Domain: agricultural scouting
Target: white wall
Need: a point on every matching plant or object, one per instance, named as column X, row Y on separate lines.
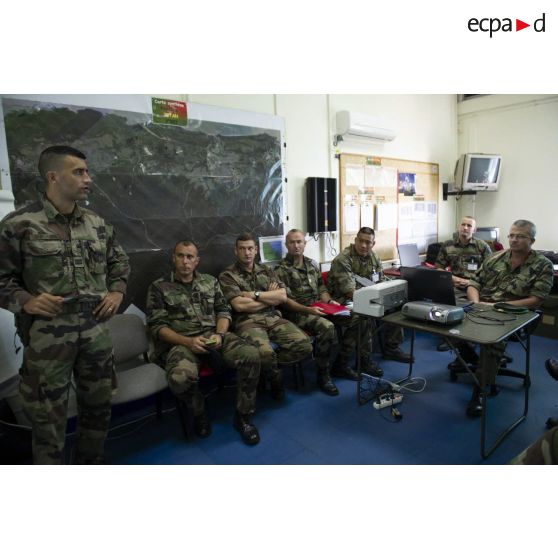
column 524, row 130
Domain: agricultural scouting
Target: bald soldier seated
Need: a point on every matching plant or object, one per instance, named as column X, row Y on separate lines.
column 189, row 319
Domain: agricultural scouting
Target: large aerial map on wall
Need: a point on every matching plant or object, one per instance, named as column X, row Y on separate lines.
column 155, row 183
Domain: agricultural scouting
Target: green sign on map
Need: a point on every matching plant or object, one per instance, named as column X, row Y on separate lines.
column 166, row 111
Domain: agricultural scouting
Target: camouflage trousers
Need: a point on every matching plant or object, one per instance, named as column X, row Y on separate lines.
column 543, row 451
column 489, row 359
column 57, row 347
column 292, row 344
column 325, row 333
column 182, row 366
column 392, row 336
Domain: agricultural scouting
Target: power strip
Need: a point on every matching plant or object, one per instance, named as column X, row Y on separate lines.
column 387, row 400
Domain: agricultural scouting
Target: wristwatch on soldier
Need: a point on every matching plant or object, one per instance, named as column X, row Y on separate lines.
column 256, row 295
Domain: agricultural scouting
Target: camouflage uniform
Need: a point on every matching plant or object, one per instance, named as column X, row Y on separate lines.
column 42, row 251
column 265, row 326
column 193, row 309
column 341, row 280
column 305, row 285
column 496, row 281
column 543, row 451
column 463, row 261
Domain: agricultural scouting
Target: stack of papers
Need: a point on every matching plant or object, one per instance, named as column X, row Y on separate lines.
column 331, row 309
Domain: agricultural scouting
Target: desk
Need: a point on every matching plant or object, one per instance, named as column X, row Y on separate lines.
column 482, row 334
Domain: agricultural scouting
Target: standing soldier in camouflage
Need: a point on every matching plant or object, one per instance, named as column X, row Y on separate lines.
column 463, row 255
column 304, row 285
column 189, row 319
column 253, row 291
column 519, row 276
column 62, row 274
column 356, row 265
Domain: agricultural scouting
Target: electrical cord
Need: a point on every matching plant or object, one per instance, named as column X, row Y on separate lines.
column 489, row 320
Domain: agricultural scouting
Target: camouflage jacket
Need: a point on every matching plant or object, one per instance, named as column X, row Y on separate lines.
column 234, row 280
column 463, row 261
column 497, row 282
column 42, row 251
column 341, row 276
column 187, row 308
column 304, row 284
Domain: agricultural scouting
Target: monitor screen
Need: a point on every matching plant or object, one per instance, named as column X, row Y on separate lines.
column 272, row 248
column 408, row 255
column 488, row 234
column 429, row 285
column 478, row 172
column 483, row 170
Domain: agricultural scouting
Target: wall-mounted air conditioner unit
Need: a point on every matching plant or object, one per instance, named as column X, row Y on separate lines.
column 350, row 123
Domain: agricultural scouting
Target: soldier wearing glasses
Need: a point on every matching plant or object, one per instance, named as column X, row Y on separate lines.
column 519, row 276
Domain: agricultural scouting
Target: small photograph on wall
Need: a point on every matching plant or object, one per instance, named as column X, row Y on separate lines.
column 407, row 183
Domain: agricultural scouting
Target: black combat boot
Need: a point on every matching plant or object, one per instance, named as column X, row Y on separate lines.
column 341, row 369
column 248, row 432
column 324, row 382
column 202, row 426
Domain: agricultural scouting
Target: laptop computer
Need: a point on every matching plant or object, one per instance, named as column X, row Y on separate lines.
column 408, row 255
column 431, row 285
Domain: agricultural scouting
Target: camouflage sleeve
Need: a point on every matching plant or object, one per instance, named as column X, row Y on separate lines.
column 222, row 307
column 486, row 251
column 156, row 312
column 341, row 276
column 13, row 294
column 321, row 285
column 544, row 279
column 442, row 258
column 274, row 277
column 118, row 265
column 283, row 276
column 543, row 451
column 229, row 286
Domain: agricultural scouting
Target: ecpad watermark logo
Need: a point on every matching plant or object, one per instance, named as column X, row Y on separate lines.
column 495, row 25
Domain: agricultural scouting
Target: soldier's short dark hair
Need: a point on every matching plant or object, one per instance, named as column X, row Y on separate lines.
column 366, row 230
column 292, row 231
column 49, row 159
column 244, row 237
column 185, row 243
column 524, row 224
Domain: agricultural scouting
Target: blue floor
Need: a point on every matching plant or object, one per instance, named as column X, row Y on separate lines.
column 309, row 427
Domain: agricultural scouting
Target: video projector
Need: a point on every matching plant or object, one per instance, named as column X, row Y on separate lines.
column 377, row 299
column 432, row 312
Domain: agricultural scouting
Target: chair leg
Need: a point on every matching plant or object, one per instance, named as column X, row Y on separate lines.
column 298, row 375
column 185, row 419
column 159, row 405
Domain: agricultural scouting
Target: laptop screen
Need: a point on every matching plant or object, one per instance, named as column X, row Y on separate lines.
column 408, row 255
column 430, row 285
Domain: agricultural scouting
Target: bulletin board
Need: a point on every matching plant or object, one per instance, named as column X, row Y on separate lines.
column 395, row 197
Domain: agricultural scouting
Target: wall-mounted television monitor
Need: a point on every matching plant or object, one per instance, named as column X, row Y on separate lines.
column 478, row 172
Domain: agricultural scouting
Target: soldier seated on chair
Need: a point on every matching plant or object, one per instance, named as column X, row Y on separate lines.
column 463, row 255
column 254, row 291
column 305, row 286
column 519, row 276
column 359, row 261
column 189, row 319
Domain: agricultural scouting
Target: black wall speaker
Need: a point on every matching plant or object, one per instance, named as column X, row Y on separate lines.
column 321, row 204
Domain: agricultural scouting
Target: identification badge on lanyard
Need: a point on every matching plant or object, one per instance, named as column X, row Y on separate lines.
column 375, row 277
column 472, row 267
